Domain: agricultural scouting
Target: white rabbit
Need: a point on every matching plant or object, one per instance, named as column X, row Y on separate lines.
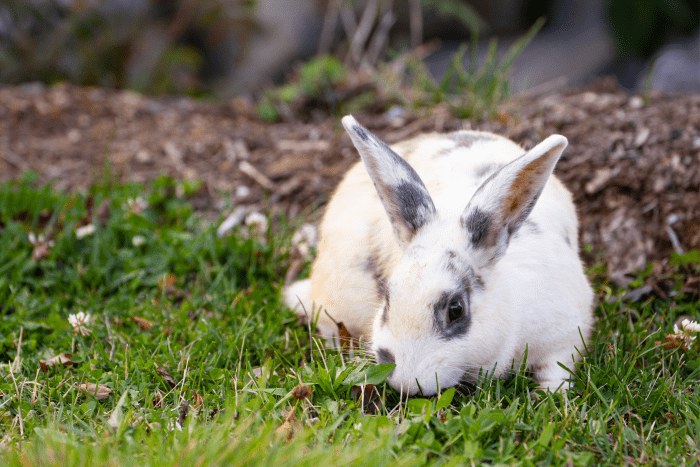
column 456, row 263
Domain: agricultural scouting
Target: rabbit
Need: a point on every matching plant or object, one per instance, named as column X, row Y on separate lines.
column 452, row 254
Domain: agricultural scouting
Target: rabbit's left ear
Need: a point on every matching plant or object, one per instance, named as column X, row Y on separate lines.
column 401, row 191
column 502, row 203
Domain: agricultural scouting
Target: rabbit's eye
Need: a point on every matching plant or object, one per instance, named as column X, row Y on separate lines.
column 455, row 310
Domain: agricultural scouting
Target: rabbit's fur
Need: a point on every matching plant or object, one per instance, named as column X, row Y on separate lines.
column 456, row 263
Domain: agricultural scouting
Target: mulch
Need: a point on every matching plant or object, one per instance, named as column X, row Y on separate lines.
column 633, row 162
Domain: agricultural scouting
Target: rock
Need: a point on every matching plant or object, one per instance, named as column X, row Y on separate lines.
column 675, row 68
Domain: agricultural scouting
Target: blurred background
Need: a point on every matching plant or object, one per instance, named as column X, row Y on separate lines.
column 223, row 48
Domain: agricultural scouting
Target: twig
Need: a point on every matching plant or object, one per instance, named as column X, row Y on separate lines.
column 259, row 177
column 363, row 31
column 347, row 15
column 381, row 37
column 674, row 240
column 330, row 21
column 416, row 22
column 308, row 323
column 13, row 367
column 13, row 159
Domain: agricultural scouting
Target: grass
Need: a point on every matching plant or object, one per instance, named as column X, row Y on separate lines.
column 199, row 363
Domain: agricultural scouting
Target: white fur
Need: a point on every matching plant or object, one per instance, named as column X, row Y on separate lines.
column 522, row 276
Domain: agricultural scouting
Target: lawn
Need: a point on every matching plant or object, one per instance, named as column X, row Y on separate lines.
column 189, row 357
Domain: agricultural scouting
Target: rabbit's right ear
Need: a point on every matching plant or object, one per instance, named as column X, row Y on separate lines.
column 401, row 191
column 502, row 203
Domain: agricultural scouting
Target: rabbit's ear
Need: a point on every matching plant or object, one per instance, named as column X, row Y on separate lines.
column 502, row 203
column 402, row 192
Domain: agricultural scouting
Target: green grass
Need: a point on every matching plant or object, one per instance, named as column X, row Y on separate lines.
column 212, row 382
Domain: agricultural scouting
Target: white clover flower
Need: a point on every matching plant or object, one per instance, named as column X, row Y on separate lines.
column 684, row 335
column 138, row 240
column 42, row 247
column 79, row 322
column 136, row 205
column 39, row 240
column 690, row 326
column 84, row 231
column 257, row 223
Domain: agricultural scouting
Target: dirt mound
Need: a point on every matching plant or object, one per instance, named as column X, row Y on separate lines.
column 632, row 163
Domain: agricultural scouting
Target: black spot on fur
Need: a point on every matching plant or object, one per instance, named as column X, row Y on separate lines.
column 532, row 228
column 467, row 139
column 414, row 204
column 478, row 223
column 384, row 356
column 463, row 272
column 487, row 169
column 443, row 153
column 373, row 267
column 449, row 330
column 385, row 311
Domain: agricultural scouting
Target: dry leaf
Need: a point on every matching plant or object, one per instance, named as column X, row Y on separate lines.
column 287, row 428
column 502, row 117
column 197, row 399
column 158, row 399
column 671, row 341
column 183, row 412
column 100, row 391
column 60, row 359
column 102, row 212
column 302, row 392
column 344, row 335
column 167, row 283
column 143, row 323
column 166, row 376
column 368, row 396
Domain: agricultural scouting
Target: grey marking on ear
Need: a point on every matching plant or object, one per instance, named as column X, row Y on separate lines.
column 361, row 133
column 513, row 227
column 368, row 138
column 398, row 160
column 567, row 240
column 385, row 356
column 477, row 223
column 415, row 204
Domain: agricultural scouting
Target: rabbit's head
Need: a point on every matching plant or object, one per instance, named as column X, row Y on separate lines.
column 442, row 321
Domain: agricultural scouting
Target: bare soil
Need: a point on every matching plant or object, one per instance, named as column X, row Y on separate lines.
column 633, row 162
